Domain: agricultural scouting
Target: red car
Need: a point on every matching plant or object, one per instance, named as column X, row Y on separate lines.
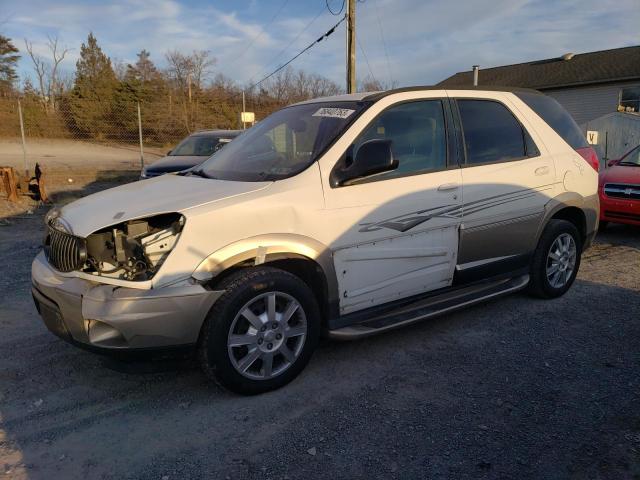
column 619, row 190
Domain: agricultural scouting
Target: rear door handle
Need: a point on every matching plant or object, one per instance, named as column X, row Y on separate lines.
column 448, row 186
column 542, row 171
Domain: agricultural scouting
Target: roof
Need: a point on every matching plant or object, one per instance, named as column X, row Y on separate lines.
column 349, row 97
column 619, row 64
column 375, row 96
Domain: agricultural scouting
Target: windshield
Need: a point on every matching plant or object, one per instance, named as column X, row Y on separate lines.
column 632, row 158
column 198, row 146
column 283, row 144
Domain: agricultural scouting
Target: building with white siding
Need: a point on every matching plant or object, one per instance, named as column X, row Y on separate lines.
column 588, row 85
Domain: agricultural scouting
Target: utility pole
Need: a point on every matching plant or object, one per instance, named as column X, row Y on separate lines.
column 24, row 143
column 244, row 125
column 140, row 139
column 351, row 46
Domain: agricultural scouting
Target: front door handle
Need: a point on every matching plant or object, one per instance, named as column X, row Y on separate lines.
column 542, row 171
column 448, row 186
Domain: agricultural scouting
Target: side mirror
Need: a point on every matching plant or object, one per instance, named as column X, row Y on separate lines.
column 373, row 157
column 611, row 163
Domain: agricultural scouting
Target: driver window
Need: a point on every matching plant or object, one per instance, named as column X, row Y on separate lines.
column 417, row 133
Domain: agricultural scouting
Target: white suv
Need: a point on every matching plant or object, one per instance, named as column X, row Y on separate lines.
column 348, row 216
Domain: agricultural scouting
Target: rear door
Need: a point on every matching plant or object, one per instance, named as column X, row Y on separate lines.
column 507, row 181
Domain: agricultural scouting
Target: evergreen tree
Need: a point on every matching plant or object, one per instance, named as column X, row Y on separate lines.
column 94, row 89
column 144, row 70
column 143, row 84
column 8, row 60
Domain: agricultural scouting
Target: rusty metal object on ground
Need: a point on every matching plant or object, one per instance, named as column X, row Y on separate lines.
column 9, row 182
column 42, row 193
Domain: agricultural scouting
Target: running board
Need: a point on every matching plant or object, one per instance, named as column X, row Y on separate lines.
column 429, row 307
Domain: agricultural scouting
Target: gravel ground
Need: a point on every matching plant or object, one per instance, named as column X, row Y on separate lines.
column 516, row 388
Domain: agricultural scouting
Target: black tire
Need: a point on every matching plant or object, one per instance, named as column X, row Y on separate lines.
column 240, row 288
column 539, row 284
column 603, row 225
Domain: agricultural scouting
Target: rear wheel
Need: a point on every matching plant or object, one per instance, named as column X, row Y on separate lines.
column 556, row 260
column 261, row 332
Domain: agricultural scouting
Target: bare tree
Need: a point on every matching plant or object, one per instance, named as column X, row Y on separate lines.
column 289, row 85
column 189, row 70
column 119, row 68
column 281, row 85
column 371, row 84
column 47, row 70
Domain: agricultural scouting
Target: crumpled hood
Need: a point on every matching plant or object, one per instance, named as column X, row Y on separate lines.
column 168, row 193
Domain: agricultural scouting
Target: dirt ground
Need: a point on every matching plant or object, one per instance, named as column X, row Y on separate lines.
column 517, row 388
column 71, row 154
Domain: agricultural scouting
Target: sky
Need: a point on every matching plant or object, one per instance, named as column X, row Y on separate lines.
column 400, row 42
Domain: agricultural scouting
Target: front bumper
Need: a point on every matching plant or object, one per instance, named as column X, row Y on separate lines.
column 116, row 318
column 619, row 210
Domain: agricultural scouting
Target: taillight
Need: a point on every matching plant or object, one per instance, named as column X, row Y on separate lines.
column 590, row 155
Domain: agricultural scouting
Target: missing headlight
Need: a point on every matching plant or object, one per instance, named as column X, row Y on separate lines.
column 133, row 250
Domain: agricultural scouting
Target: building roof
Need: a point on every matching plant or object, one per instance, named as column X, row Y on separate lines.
column 619, row 64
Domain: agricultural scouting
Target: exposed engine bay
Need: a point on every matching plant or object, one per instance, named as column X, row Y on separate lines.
column 133, row 250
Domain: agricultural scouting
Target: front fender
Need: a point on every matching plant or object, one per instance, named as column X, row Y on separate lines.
column 265, row 248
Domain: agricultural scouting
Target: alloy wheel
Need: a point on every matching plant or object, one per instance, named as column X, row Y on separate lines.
column 267, row 335
column 561, row 260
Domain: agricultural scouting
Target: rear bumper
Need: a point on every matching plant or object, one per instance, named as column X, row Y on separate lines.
column 619, row 210
column 116, row 318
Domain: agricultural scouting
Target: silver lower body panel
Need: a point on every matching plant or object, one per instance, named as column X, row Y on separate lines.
column 112, row 317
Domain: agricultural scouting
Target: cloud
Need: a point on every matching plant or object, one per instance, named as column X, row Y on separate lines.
column 426, row 41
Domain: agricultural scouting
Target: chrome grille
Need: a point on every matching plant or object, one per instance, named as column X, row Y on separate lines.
column 64, row 251
column 622, row 190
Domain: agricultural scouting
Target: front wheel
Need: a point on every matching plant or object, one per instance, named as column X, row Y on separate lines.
column 556, row 260
column 261, row 332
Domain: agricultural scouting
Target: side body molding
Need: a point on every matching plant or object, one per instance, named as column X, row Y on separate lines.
column 266, row 248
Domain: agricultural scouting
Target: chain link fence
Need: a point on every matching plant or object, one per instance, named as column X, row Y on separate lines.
column 74, row 135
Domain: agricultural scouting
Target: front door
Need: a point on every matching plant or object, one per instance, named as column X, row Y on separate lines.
column 398, row 231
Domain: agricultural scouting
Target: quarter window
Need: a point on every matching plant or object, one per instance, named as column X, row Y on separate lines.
column 418, row 135
column 492, row 133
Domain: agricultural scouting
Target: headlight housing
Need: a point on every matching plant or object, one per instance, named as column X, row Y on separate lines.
column 51, row 215
column 135, row 249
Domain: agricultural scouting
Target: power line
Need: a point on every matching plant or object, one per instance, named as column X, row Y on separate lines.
column 331, row 11
column 278, row 55
column 308, row 47
column 384, row 45
column 366, row 59
column 260, row 33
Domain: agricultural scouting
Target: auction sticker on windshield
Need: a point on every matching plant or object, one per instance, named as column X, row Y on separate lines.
column 333, row 112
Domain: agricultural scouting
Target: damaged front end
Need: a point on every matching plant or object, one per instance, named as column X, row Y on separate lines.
column 132, row 250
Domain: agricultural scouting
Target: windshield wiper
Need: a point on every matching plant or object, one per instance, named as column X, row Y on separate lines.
column 634, row 164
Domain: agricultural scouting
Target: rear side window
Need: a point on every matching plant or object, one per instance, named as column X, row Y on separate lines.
column 556, row 117
column 492, row 133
